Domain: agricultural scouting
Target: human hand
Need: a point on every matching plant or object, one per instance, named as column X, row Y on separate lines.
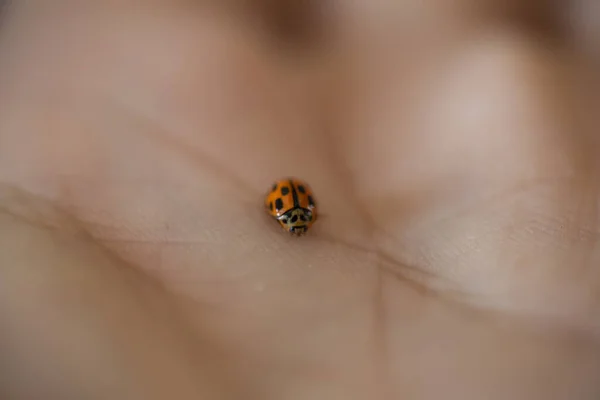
column 453, row 159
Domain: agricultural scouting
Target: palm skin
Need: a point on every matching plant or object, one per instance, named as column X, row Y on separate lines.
column 457, row 253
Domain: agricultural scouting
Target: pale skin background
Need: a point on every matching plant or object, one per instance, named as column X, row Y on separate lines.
column 452, row 147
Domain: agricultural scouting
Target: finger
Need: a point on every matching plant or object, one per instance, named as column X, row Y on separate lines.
column 78, row 323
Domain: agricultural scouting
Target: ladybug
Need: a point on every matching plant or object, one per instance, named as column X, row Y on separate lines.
column 292, row 203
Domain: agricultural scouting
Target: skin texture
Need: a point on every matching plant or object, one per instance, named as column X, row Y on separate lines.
column 452, row 149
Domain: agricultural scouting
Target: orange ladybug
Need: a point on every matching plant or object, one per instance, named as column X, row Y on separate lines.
column 292, row 203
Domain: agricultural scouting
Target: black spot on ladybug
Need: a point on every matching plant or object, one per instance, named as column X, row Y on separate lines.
column 274, row 188
column 311, row 202
column 294, row 218
column 284, row 220
column 271, row 206
column 303, row 218
column 278, row 204
column 285, row 190
column 301, row 189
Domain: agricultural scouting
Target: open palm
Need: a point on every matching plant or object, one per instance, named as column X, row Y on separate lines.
column 457, row 253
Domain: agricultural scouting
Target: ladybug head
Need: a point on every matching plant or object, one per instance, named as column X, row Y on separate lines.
column 297, row 221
